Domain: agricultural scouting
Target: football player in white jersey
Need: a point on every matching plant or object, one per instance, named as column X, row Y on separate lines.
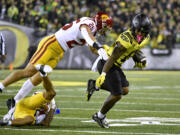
column 51, row 49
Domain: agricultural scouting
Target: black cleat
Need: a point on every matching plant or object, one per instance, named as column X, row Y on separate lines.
column 0, row 90
column 101, row 121
column 10, row 103
column 3, row 123
column 91, row 88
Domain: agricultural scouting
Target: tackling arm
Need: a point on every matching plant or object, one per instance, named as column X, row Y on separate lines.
column 91, row 40
column 86, row 33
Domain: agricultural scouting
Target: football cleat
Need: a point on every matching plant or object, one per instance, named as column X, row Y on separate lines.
column 10, row 103
column 3, row 123
column 91, row 88
column 102, row 122
column 0, row 90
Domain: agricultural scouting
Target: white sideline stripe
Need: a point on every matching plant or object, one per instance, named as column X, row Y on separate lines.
column 85, row 131
column 119, row 110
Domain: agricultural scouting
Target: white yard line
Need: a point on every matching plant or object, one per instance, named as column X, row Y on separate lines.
column 118, row 110
column 85, row 131
column 119, row 103
column 151, row 98
column 126, row 103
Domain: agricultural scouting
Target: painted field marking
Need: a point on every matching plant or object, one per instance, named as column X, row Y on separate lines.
column 139, row 121
column 115, row 110
column 81, row 131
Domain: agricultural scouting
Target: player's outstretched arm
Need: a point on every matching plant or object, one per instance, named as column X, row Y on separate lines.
column 44, row 70
column 92, row 42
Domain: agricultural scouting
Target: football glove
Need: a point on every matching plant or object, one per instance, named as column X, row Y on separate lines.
column 53, row 104
column 102, row 53
column 43, row 69
column 141, row 64
column 100, row 79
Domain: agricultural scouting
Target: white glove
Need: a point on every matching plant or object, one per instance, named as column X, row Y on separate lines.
column 53, row 104
column 43, row 69
column 102, row 53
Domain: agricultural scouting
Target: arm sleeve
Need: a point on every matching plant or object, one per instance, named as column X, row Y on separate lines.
column 86, row 36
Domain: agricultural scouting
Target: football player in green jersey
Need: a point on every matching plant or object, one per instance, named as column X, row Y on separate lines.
column 112, row 78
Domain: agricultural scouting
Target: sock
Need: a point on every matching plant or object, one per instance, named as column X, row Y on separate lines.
column 24, row 91
column 9, row 122
column 9, row 115
column 100, row 115
column 11, row 111
column 1, row 86
column 96, row 87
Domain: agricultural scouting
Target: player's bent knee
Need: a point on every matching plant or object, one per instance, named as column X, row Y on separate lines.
column 29, row 70
column 125, row 90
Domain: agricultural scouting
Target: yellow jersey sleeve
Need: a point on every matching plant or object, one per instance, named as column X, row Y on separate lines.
column 145, row 41
column 124, row 40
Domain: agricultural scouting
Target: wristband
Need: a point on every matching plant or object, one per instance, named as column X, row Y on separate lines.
column 103, row 73
column 96, row 45
column 43, row 75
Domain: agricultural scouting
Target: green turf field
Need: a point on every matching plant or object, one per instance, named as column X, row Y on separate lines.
column 151, row 108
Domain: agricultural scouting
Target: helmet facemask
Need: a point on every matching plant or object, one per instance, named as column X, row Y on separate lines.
column 141, row 26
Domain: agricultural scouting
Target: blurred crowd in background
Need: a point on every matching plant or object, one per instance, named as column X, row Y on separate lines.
column 47, row 16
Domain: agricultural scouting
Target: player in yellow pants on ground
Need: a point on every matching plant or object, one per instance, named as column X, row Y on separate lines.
column 26, row 108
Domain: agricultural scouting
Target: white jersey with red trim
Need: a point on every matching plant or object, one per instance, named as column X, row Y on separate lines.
column 70, row 35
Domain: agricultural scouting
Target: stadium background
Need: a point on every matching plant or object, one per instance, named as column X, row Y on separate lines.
column 24, row 23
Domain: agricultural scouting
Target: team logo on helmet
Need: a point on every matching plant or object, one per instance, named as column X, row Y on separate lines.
column 104, row 17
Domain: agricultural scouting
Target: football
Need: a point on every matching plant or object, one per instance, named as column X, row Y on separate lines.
column 139, row 57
